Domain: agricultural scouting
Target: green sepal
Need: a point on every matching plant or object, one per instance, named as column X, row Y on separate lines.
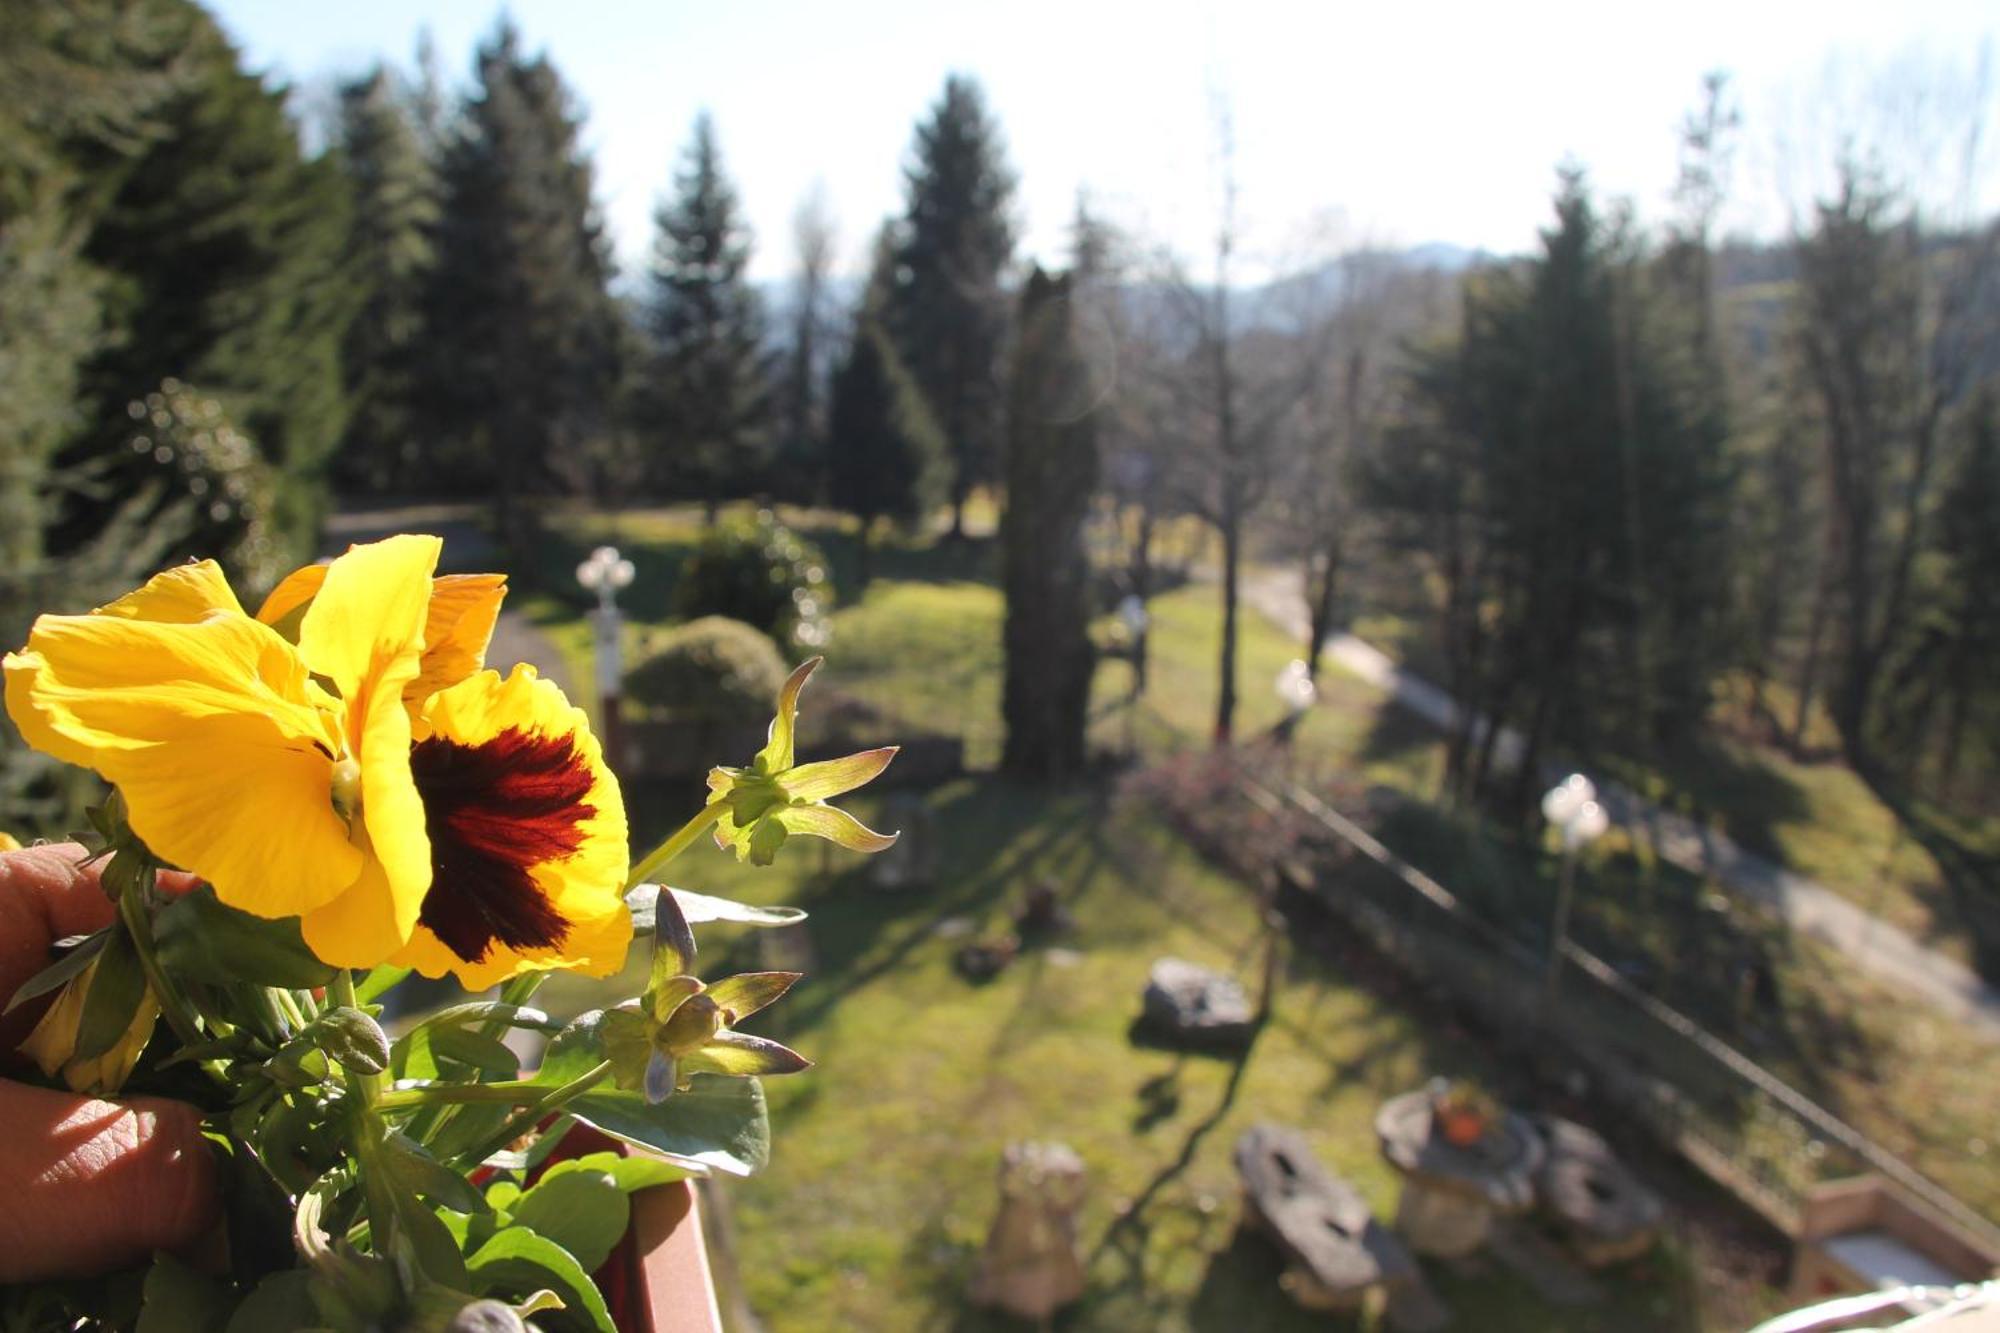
column 351, row 1037
column 61, row 970
column 116, row 988
column 745, row 993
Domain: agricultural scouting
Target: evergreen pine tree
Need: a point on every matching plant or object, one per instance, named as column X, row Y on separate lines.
column 226, row 245
column 525, row 333
column 948, row 314
column 396, row 207
column 706, row 404
column 884, row 452
column 1051, row 474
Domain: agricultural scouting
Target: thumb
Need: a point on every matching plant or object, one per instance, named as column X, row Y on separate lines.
column 92, row 1185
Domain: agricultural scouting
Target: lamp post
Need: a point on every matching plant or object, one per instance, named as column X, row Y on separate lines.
column 605, row 573
column 1136, row 619
column 1571, row 807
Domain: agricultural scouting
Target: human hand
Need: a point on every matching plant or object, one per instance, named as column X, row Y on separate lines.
column 86, row 1185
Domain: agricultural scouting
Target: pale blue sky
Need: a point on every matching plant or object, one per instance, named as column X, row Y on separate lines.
column 1387, row 123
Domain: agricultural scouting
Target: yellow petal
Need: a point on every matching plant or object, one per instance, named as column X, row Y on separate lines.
column 88, row 684
column 178, row 596
column 367, row 622
column 209, row 731
column 253, row 817
column 293, row 592
column 484, row 736
column 9, row 843
column 391, row 810
column 360, row 928
column 463, row 611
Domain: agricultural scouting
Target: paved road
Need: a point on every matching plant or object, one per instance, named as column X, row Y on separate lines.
column 1875, row 946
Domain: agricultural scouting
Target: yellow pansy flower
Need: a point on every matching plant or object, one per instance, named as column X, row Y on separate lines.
column 364, row 780
column 527, row 833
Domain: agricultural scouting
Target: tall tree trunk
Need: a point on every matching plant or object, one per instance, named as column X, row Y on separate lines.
column 1232, row 554
column 1322, row 582
column 1809, row 669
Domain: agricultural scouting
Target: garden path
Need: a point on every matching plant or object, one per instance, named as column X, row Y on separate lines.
column 1875, row 946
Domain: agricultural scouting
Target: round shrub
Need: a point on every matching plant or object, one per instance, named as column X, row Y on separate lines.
column 758, row 571
column 712, row 670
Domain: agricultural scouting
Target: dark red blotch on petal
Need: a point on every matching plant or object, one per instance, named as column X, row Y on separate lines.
column 494, row 811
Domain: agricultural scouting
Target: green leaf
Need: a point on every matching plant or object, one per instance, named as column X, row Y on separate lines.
column 631, row 1172
column 583, row 1211
column 423, row 1174
column 198, row 935
column 745, row 993
column 518, row 1262
column 410, row 1056
column 116, row 988
column 377, row 981
column 180, row 1300
column 716, row 1124
column 739, row 1054
column 835, row 825
column 427, row 1240
column 484, row 1011
column 468, row 1126
column 351, row 1037
column 477, row 1049
column 700, row 907
column 61, row 970
column 282, row 1300
column 832, row 777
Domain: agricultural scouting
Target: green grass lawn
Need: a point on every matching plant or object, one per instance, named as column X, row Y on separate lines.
column 875, row 1207
column 883, row 1180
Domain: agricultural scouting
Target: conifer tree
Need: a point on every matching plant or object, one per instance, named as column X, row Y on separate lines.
column 1050, row 470
column 801, row 454
column 227, row 245
column 395, row 197
column 948, row 314
column 705, row 408
column 526, row 332
column 884, row 451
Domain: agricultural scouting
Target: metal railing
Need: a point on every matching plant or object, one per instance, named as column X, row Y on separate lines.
column 1753, row 1133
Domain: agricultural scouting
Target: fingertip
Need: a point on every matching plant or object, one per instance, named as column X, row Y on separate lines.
column 99, row 1185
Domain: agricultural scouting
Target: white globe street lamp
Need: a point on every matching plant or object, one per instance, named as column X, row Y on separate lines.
column 606, row 573
column 1571, row 807
column 1136, row 619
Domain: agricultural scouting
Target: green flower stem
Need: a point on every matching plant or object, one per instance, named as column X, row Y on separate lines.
column 675, row 845
column 524, row 1120
column 514, row 1092
column 369, row 1129
column 173, row 1004
column 368, row 1087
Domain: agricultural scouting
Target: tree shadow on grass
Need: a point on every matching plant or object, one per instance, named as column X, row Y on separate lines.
column 987, row 834
column 1970, row 875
